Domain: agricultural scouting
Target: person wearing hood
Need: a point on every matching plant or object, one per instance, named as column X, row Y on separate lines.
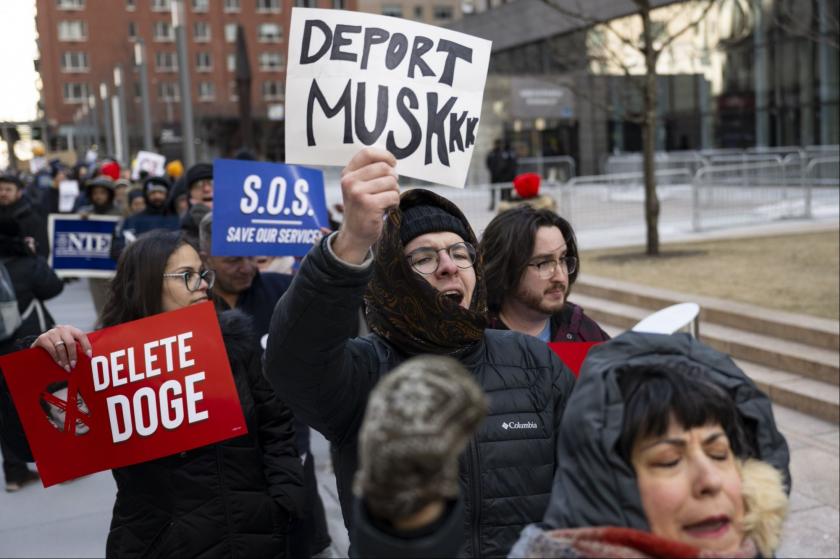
column 100, row 192
column 199, row 190
column 669, row 450
column 13, row 205
column 156, row 215
column 676, row 452
column 424, row 293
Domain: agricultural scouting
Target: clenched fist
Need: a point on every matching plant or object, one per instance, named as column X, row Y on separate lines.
column 369, row 188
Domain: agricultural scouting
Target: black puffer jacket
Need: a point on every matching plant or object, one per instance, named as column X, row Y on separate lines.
column 232, row 499
column 597, row 487
column 32, row 224
column 508, row 467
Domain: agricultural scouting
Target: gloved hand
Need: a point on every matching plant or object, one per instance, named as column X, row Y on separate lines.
column 418, row 420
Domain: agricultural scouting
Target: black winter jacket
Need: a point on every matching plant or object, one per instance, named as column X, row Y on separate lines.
column 231, row 499
column 32, row 279
column 597, row 487
column 507, row 469
column 32, row 224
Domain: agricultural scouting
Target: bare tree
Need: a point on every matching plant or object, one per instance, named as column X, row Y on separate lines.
column 654, row 40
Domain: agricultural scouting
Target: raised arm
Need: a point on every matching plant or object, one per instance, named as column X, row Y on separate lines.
column 311, row 360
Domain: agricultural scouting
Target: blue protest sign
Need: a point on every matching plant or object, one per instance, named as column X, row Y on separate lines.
column 82, row 247
column 266, row 209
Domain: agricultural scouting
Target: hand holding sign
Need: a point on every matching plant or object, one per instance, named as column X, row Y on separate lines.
column 369, row 188
column 60, row 343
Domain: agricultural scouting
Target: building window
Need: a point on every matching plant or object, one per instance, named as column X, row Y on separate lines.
column 306, row 3
column 272, row 90
column 233, row 94
column 75, row 92
column 269, row 33
column 161, row 5
column 168, row 91
column 231, row 63
column 201, row 32
column 70, row 4
column 162, row 32
column 442, row 13
column 338, row 4
column 268, row 6
column 271, row 61
column 74, row 30
column 132, row 30
column 74, row 62
column 418, row 11
column 394, row 10
column 200, row 5
column 130, row 5
column 230, row 32
column 203, row 61
column 206, row 91
column 166, row 61
column 232, row 6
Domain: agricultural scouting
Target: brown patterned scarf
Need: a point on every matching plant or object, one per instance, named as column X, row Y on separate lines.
column 405, row 309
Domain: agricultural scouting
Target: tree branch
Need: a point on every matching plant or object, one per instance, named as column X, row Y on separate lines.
column 690, row 25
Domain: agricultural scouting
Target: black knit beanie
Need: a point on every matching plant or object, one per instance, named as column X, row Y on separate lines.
column 419, row 220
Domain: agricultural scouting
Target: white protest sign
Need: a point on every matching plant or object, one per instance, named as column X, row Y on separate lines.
column 68, row 191
column 152, row 163
column 355, row 79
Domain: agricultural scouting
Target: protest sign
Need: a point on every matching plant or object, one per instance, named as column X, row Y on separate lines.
column 356, row 79
column 266, row 209
column 572, row 353
column 81, row 247
column 68, row 191
column 154, row 387
column 152, row 163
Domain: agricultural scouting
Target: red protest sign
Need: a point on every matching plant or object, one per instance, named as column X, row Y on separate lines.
column 572, row 353
column 153, row 387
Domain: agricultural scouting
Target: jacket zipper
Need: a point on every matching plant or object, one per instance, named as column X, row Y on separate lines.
column 475, row 480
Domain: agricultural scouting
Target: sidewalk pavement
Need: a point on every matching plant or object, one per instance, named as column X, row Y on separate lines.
column 72, row 519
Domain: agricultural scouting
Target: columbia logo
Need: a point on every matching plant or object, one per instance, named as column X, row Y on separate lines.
column 518, row 425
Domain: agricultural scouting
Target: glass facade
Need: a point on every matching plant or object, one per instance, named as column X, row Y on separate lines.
column 745, row 73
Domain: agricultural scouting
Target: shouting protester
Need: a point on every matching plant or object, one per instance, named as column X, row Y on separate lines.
column 424, row 291
column 531, row 263
column 234, row 498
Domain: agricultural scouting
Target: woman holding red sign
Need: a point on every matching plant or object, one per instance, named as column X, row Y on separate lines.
column 234, row 498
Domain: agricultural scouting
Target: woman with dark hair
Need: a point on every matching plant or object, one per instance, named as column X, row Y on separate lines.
column 234, row 498
column 531, row 262
column 675, row 454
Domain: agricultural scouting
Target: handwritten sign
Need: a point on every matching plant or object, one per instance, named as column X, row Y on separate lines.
column 266, row 209
column 154, row 387
column 356, row 79
column 81, row 247
column 150, row 162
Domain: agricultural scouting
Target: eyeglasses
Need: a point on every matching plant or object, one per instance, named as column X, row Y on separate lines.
column 192, row 280
column 547, row 268
column 426, row 260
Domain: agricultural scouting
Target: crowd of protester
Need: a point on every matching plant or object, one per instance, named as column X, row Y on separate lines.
column 419, row 351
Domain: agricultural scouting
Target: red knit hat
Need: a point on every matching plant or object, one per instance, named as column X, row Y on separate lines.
column 527, row 185
column 111, row 169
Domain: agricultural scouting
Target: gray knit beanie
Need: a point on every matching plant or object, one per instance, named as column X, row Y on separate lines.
column 418, row 420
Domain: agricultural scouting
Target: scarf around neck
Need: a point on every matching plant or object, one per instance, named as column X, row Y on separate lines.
column 405, row 309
